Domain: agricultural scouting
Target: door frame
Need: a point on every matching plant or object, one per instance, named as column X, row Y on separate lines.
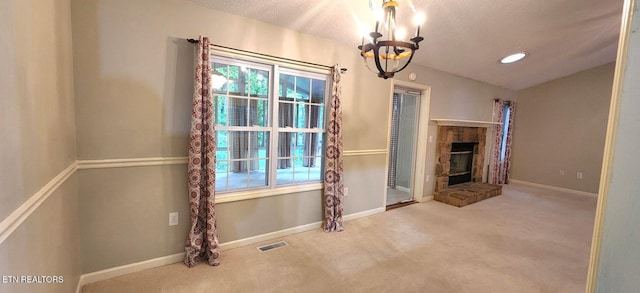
column 419, row 168
column 622, row 59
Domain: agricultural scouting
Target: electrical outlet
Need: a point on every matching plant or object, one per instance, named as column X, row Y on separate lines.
column 430, row 138
column 428, row 177
column 561, row 172
column 173, row 219
column 346, row 191
column 579, row 175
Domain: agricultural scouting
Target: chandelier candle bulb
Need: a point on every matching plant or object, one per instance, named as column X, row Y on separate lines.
column 401, row 33
column 418, row 20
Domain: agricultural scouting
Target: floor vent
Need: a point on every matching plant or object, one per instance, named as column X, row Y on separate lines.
column 272, row 246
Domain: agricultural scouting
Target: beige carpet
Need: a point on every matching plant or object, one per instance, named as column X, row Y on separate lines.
column 526, row 240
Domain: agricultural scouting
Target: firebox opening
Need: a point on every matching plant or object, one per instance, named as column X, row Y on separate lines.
column 461, row 163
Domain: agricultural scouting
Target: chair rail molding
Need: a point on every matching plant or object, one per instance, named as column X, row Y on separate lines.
column 131, row 162
column 18, row 216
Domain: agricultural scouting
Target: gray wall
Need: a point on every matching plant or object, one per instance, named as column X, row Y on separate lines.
column 618, row 268
column 37, row 130
column 133, row 70
column 561, row 125
column 133, row 91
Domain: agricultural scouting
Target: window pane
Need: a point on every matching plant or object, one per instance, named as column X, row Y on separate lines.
column 259, row 141
column 259, row 113
column 221, row 69
column 234, row 72
column 318, row 87
column 221, row 155
column 221, row 139
column 301, row 174
column 313, row 148
column 301, row 115
column 258, row 83
column 220, row 105
column 237, row 115
column 287, row 87
column 285, row 114
column 221, row 175
column 258, row 177
column 238, row 180
column 284, row 151
column 243, row 145
column 316, row 117
column 284, row 176
column 299, row 144
column 236, row 80
column 303, row 86
column 315, row 173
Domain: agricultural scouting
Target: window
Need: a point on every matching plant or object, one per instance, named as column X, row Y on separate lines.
column 506, row 113
column 268, row 137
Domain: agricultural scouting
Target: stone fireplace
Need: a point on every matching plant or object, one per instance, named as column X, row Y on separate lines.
column 460, row 155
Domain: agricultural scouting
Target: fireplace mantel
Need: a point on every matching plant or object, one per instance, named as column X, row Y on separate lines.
column 466, row 123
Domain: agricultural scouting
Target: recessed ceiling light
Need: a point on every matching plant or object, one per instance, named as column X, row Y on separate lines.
column 513, row 58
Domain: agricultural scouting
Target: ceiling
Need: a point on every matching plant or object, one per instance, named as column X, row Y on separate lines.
column 467, row 37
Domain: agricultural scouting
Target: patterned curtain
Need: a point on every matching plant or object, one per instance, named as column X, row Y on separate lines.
column 202, row 241
column 501, row 152
column 505, row 168
column 494, row 169
column 333, row 170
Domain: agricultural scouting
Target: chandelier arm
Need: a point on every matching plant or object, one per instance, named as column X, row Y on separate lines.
column 376, row 58
column 406, row 64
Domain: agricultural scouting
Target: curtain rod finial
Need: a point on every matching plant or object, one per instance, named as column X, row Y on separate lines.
column 343, row 70
column 193, row 41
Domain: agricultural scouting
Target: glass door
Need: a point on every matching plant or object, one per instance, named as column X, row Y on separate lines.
column 404, row 126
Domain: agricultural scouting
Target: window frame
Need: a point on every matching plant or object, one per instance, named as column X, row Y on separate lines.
column 275, row 69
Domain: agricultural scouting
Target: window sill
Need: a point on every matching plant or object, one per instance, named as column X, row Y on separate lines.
column 260, row 193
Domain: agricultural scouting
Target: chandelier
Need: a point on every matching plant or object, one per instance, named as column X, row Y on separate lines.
column 388, row 51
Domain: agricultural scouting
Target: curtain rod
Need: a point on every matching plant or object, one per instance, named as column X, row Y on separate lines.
column 342, row 70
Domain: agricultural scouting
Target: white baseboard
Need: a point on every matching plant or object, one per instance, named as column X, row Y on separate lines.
column 567, row 190
column 127, row 269
column 269, row 236
column 291, row 231
column 179, row 257
column 354, row 216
